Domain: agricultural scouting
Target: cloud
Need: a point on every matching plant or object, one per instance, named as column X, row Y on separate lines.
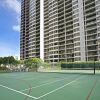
column 15, row 6
column 16, row 28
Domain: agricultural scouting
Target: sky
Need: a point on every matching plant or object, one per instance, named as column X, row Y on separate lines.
column 10, row 11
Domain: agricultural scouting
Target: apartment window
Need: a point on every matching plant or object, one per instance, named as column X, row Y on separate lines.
column 99, row 28
column 77, row 44
column 55, row 35
column 77, row 49
column 98, row 7
column 77, row 59
column 75, row 16
column 55, row 56
column 97, row 2
column 74, row 7
column 99, row 47
column 77, row 39
column 98, row 23
column 55, row 31
column 75, row 2
column 56, row 51
column 75, row 20
column 77, row 29
column 75, row 11
column 76, row 34
column 55, row 27
column 98, row 18
column 55, row 43
column 99, row 36
column 55, row 19
column 77, row 54
column 76, row 25
column 98, row 13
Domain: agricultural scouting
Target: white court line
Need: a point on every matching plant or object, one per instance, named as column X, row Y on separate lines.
column 59, row 88
column 42, row 95
column 30, row 78
column 18, row 92
column 44, row 84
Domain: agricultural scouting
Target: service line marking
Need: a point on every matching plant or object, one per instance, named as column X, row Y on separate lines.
column 59, row 88
column 18, row 92
column 45, row 84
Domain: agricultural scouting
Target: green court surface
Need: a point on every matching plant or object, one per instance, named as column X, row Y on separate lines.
column 49, row 86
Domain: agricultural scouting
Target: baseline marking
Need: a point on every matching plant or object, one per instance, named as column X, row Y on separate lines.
column 59, row 88
column 18, row 92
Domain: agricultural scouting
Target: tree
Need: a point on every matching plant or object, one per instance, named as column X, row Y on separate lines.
column 46, row 65
column 28, row 63
column 33, row 63
column 8, row 62
column 1, row 60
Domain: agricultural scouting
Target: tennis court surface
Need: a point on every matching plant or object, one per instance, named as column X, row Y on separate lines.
column 49, row 86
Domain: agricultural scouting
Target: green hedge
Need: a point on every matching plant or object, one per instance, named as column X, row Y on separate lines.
column 80, row 64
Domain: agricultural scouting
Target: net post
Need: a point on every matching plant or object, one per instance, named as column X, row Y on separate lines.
column 94, row 67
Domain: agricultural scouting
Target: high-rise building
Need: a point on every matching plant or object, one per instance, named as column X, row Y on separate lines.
column 71, row 30
column 68, row 29
column 30, row 29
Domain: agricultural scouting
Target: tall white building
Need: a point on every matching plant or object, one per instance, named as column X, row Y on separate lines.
column 61, row 30
column 71, row 30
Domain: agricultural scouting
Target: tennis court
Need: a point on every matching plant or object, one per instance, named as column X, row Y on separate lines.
column 49, row 86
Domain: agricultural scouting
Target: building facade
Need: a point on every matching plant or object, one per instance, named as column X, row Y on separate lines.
column 71, row 30
column 30, row 29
